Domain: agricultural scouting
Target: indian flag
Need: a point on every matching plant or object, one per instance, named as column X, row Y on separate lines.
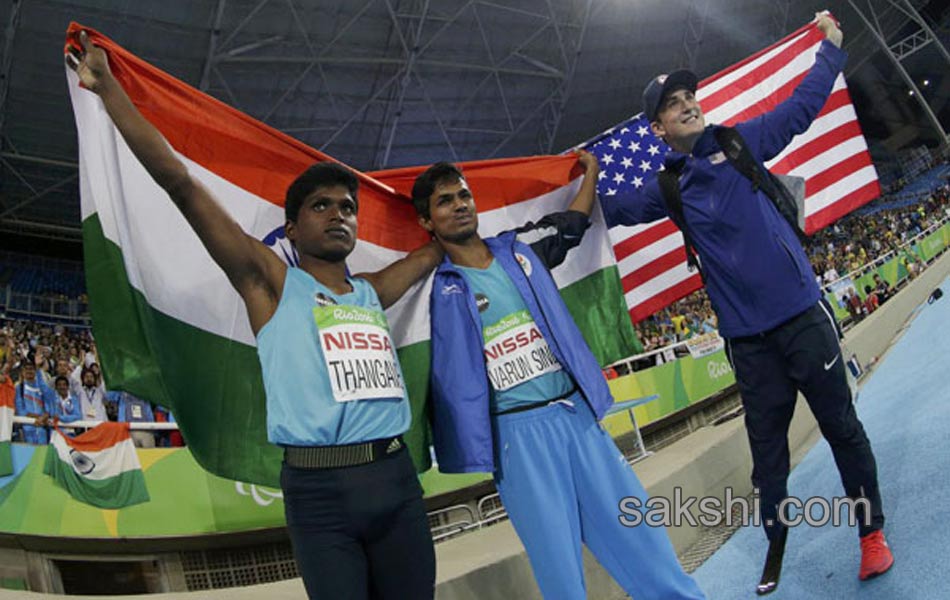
column 168, row 324
column 99, row 467
column 7, row 407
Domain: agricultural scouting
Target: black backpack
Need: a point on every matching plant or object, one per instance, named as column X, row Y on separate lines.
column 786, row 193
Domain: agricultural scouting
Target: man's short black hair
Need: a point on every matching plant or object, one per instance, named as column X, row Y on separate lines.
column 425, row 184
column 317, row 175
column 60, row 377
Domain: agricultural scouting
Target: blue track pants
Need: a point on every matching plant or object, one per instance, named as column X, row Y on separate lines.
column 561, row 479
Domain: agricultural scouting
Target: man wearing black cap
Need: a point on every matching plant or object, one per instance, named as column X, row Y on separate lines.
column 780, row 336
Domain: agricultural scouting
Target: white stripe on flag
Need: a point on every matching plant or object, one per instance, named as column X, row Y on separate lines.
column 648, row 254
column 6, row 423
column 844, row 186
column 827, row 159
column 742, row 72
column 763, row 89
column 665, row 280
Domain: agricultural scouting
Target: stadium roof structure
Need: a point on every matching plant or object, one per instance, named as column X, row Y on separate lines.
column 387, row 83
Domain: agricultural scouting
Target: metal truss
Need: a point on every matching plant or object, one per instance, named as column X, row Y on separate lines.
column 538, row 69
column 910, row 44
column 8, row 162
column 6, row 58
column 897, row 52
column 693, row 32
column 780, row 12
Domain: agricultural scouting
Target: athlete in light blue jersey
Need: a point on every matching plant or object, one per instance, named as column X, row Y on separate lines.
column 336, row 396
column 518, row 393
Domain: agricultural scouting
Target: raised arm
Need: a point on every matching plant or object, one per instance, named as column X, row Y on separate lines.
column 795, row 115
column 584, row 200
column 254, row 271
column 393, row 281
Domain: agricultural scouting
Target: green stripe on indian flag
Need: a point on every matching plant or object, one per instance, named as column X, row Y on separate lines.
column 99, row 467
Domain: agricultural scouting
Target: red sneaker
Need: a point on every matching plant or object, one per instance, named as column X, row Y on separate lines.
column 876, row 557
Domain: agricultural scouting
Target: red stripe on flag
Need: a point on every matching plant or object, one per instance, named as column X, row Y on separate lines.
column 751, row 79
column 665, row 298
column 843, row 206
column 817, row 146
column 641, row 240
column 836, row 100
column 809, row 29
column 654, row 268
column 767, row 103
column 835, row 173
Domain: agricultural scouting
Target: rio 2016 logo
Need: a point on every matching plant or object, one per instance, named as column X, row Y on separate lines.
column 718, row 368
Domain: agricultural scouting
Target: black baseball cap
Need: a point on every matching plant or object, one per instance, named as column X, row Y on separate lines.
column 661, row 85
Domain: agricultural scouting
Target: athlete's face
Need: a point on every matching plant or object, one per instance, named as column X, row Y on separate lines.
column 62, row 388
column 680, row 121
column 452, row 215
column 326, row 224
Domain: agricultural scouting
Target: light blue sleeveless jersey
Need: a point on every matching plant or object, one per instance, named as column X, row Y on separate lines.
column 521, row 367
column 334, row 384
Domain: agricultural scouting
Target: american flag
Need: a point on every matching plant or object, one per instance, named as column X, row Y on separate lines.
column 832, row 156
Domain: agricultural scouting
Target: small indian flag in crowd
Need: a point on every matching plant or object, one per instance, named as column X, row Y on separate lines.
column 6, row 427
column 99, row 467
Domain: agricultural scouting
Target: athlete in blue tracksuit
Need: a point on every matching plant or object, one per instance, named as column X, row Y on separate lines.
column 780, row 337
column 517, row 392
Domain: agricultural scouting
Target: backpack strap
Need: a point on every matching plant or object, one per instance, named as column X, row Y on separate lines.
column 741, row 158
column 669, row 180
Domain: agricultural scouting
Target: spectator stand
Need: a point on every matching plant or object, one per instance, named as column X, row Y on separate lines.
column 43, row 289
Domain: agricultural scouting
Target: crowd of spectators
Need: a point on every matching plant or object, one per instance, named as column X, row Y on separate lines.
column 53, row 374
column 842, row 248
column 855, row 241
